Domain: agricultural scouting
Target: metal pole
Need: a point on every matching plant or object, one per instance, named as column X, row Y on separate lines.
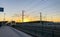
column 22, row 15
column 4, row 19
column 4, row 16
column 40, row 16
column 53, row 27
column 41, row 22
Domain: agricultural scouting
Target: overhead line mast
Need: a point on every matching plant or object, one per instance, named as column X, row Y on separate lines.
column 22, row 15
column 40, row 16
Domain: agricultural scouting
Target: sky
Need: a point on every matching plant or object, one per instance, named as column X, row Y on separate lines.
column 50, row 9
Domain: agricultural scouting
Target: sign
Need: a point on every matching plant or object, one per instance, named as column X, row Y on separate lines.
column 1, row 9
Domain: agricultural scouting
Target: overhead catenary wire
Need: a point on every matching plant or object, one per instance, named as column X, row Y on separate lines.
column 36, row 5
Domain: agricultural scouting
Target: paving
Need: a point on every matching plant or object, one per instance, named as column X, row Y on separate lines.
column 6, row 31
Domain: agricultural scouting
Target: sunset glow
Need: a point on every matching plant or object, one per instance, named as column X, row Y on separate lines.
column 31, row 9
column 26, row 20
column 29, row 19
